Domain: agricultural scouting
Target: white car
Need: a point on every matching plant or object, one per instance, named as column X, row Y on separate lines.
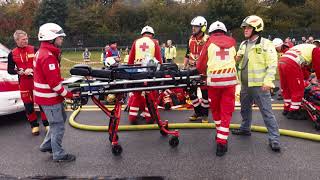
column 10, row 99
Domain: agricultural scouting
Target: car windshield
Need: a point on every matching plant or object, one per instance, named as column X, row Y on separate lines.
column 3, row 52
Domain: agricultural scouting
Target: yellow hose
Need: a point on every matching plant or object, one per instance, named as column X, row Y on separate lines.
column 284, row 132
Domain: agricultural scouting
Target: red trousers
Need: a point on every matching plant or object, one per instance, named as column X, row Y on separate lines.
column 26, row 91
column 138, row 103
column 292, row 83
column 222, row 102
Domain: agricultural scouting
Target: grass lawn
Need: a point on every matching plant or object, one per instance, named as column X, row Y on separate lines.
column 71, row 58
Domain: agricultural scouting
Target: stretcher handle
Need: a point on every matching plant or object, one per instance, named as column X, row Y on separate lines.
column 74, row 85
column 134, row 67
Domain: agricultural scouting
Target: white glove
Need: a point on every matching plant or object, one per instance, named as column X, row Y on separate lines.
column 20, row 72
column 28, row 72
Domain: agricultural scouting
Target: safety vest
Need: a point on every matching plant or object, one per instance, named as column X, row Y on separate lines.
column 221, row 65
column 262, row 63
column 195, row 46
column 145, row 47
column 23, row 57
column 301, row 54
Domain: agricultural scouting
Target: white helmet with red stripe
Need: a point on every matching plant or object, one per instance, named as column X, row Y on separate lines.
column 50, row 31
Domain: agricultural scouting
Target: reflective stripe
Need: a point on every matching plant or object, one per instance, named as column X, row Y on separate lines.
column 57, row 88
column 133, row 113
column 255, row 79
column 42, row 86
column 287, row 100
column 222, row 75
column 195, row 100
column 295, row 59
column 225, row 83
column 217, row 122
column 45, row 95
column 296, row 103
column 64, row 92
column 256, row 71
column 221, row 136
column 223, row 129
column 204, row 105
column 196, row 104
column 134, row 108
column 147, row 114
column 294, row 107
column 204, row 101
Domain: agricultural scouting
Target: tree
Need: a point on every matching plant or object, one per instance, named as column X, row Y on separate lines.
column 230, row 12
column 54, row 11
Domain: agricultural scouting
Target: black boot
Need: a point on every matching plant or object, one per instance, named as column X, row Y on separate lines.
column 275, row 146
column 240, row 132
column 285, row 112
column 221, row 149
column 296, row 115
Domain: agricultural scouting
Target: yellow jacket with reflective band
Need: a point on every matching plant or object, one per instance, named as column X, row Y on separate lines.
column 170, row 52
column 301, row 54
column 144, row 47
column 262, row 63
column 221, row 69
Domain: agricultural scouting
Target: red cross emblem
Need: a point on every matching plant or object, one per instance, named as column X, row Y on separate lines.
column 144, row 46
column 222, row 53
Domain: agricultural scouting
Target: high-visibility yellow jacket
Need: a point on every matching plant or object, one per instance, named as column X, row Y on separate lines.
column 170, row 52
column 262, row 63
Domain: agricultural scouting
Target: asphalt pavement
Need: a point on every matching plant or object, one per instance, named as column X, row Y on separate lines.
column 147, row 155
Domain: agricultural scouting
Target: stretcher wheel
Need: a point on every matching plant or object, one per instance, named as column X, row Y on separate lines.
column 116, row 150
column 174, row 141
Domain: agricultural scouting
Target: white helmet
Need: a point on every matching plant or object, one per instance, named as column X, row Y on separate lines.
column 110, row 61
column 147, row 29
column 199, row 21
column 217, row 26
column 50, row 31
column 277, row 42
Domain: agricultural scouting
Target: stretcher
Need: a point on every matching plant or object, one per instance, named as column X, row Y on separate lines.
column 121, row 80
column 311, row 103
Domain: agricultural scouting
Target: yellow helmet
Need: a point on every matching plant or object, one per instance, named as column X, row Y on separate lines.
column 254, row 21
column 111, row 98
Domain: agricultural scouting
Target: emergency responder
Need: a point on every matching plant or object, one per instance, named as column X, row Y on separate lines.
column 291, row 70
column 280, row 46
column 217, row 62
column 20, row 61
column 113, row 51
column 317, row 42
column 195, row 44
column 143, row 48
column 257, row 58
column 48, row 90
column 170, row 52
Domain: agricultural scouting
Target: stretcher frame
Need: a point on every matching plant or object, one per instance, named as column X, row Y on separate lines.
column 104, row 86
column 312, row 111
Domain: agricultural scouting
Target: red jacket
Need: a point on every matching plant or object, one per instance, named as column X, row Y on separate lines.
column 48, row 89
column 22, row 58
column 157, row 52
